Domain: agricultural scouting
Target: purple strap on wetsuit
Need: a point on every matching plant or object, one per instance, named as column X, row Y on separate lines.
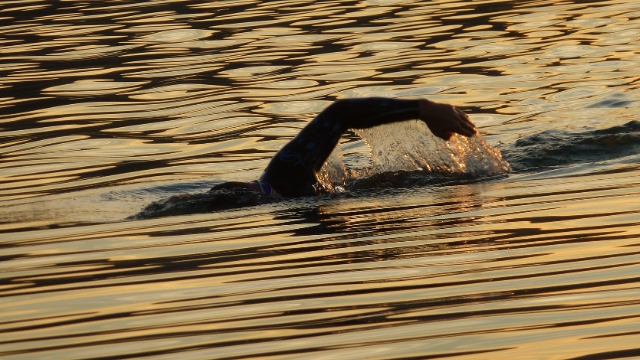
column 265, row 187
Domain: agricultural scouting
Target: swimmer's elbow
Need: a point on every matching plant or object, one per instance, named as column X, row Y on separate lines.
column 337, row 106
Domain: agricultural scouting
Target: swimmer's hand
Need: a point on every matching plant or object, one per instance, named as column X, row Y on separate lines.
column 444, row 120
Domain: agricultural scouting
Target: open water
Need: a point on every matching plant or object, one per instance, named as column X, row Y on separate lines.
column 434, row 250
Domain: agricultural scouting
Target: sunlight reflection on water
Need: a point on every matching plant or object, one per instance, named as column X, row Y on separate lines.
column 106, row 107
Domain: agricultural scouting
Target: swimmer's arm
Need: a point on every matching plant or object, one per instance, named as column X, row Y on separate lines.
column 442, row 119
column 295, row 166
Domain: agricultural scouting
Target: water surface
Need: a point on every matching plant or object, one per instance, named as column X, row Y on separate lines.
column 106, row 107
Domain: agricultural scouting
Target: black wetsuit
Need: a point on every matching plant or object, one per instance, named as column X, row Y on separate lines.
column 292, row 171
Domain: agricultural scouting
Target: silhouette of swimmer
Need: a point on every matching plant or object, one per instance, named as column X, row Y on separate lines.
column 293, row 170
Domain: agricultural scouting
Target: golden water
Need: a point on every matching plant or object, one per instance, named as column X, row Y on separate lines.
column 108, row 106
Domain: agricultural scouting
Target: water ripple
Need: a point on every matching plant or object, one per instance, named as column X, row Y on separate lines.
column 107, row 107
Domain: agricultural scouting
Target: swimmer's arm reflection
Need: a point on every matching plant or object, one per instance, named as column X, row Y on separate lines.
column 293, row 170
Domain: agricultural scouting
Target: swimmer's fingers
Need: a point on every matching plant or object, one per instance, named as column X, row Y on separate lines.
column 444, row 120
column 465, row 126
column 464, row 117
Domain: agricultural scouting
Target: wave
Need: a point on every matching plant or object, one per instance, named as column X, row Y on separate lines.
column 559, row 148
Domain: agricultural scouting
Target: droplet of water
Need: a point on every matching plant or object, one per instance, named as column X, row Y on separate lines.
column 410, row 146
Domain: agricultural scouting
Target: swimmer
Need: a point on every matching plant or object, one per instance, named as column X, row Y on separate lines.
column 293, row 170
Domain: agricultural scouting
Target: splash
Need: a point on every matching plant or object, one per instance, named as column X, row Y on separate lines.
column 410, row 146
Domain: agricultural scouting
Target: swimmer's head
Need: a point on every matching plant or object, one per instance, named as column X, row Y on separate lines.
column 216, row 199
